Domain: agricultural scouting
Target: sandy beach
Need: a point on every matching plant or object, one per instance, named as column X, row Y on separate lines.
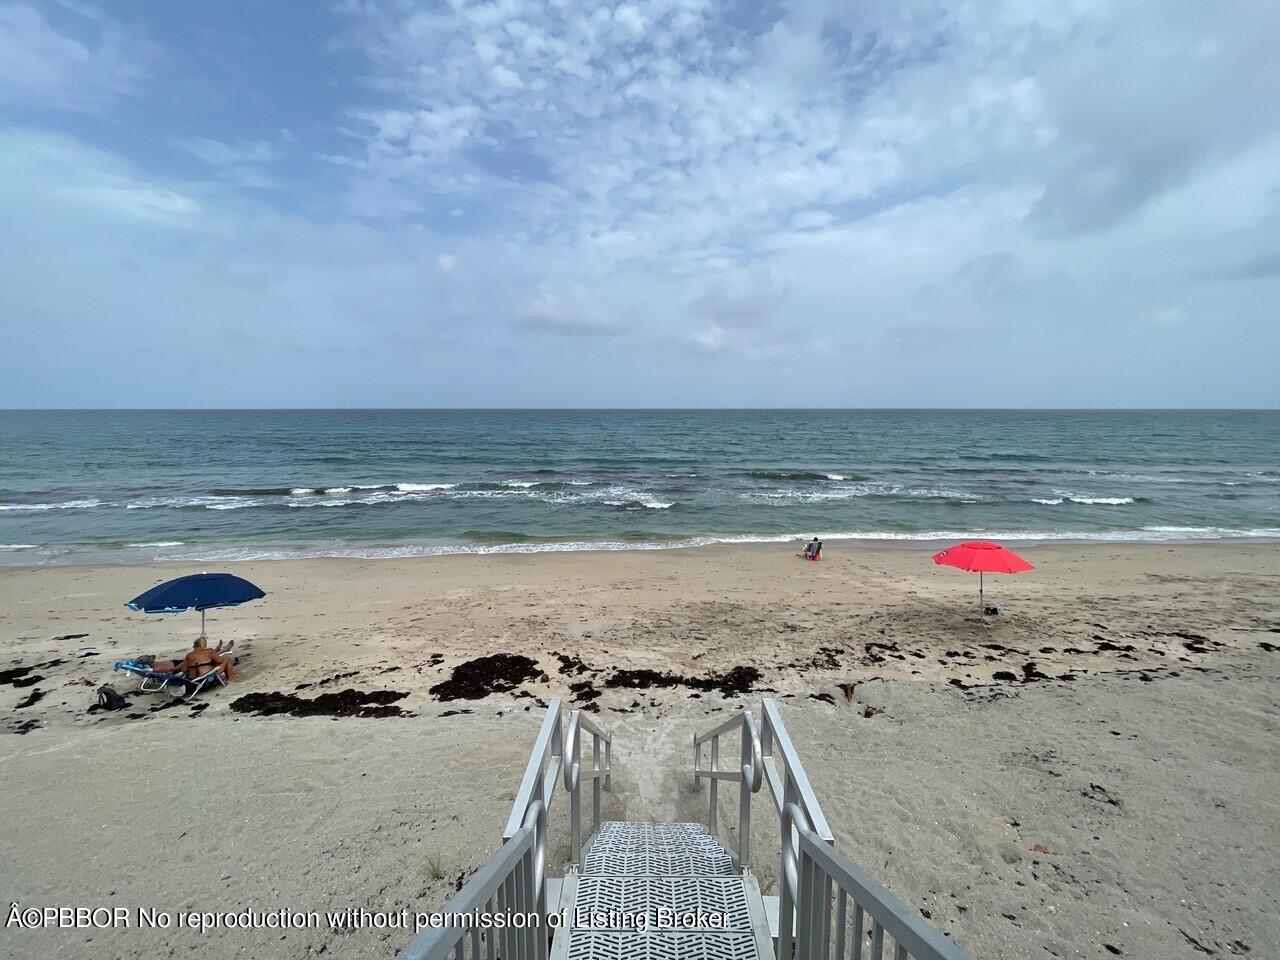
column 1092, row 773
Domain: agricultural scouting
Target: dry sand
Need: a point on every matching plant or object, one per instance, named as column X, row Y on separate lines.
column 1121, row 713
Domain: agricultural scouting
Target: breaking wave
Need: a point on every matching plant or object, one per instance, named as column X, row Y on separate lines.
column 40, row 507
column 1153, row 534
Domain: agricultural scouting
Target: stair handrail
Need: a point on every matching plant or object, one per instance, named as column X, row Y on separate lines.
column 600, row 774
column 542, row 770
column 749, row 775
column 813, row 870
column 791, row 784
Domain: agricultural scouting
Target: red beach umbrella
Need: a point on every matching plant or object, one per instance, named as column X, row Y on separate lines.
column 981, row 557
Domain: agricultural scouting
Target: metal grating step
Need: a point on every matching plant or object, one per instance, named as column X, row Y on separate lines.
column 657, row 849
column 649, row 828
column 660, row 844
column 692, row 945
column 714, row 903
column 639, row 862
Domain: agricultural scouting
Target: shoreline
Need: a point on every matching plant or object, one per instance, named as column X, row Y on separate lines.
column 412, row 551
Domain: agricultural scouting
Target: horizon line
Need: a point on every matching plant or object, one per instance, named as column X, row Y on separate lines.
column 638, row 409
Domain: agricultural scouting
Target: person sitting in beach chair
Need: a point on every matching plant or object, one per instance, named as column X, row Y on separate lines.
column 200, row 668
column 813, row 550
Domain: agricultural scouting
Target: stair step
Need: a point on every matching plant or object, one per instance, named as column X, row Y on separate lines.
column 656, row 849
column 649, row 903
column 648, row 828
column 691, row 945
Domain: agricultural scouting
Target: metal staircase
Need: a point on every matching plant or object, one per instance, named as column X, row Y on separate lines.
column 662, row 891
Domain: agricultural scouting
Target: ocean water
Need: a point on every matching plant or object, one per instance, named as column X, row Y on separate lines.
column 227, row 485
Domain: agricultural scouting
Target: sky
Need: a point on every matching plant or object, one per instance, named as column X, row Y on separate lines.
column 677, row 203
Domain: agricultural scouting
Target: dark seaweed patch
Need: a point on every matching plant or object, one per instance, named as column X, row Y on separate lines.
column 498, row 673
column 569, row 664
column 345, row 703
column 35, row 696
column 14, row 674
column 736, row 681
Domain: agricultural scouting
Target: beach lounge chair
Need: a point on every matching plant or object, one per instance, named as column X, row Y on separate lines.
column 177, row 684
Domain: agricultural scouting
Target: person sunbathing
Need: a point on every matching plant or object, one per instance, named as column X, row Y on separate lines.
column 200, row 660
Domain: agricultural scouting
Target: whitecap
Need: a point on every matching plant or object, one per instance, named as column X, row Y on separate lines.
column 64, row 505
column 18, row 546
column 158, row 543
column 1102, row 501
column 1047, row 501
column 423, row 487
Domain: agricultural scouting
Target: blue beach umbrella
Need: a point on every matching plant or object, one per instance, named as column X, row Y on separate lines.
column 200, row 591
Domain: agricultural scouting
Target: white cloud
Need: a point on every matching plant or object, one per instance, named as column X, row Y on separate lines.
column 572, row 313
column 220, row 154
column 88, row 64
column 710, row 340
column 744, row 298
column 59, row 173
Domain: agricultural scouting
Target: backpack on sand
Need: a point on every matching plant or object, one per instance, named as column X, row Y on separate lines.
column 110, row 699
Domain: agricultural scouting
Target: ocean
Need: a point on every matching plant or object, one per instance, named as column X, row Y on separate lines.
column 127, row 486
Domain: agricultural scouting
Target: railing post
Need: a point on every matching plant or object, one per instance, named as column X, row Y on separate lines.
column 713, row 819
column 557, row 735
column 823, row 913
column 596, row 784
column 744, row 796
column 573, row 782
column 804, row 907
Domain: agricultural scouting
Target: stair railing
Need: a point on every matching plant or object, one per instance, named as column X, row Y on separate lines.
column 542, row 770
column 600, row 774
column 513, row 881
column 788, row 783
column 748, row 776
column 812, row 871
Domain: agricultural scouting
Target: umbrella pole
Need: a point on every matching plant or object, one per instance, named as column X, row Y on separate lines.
column 202, row 623
column 982, row 607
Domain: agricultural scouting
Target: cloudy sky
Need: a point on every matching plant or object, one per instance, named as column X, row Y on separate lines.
column 668, row 203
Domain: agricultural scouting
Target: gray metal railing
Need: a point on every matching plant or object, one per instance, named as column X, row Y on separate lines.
column 812, row 871
column 788, row 783
column 514, row 881
column 542, row 771
column 599, row 774
column 817, row 877
column 748, row 775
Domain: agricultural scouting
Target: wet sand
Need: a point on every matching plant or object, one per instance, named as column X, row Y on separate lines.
column 1120, row 714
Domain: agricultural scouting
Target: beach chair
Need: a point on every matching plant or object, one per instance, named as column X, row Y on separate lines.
column 176, row 684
